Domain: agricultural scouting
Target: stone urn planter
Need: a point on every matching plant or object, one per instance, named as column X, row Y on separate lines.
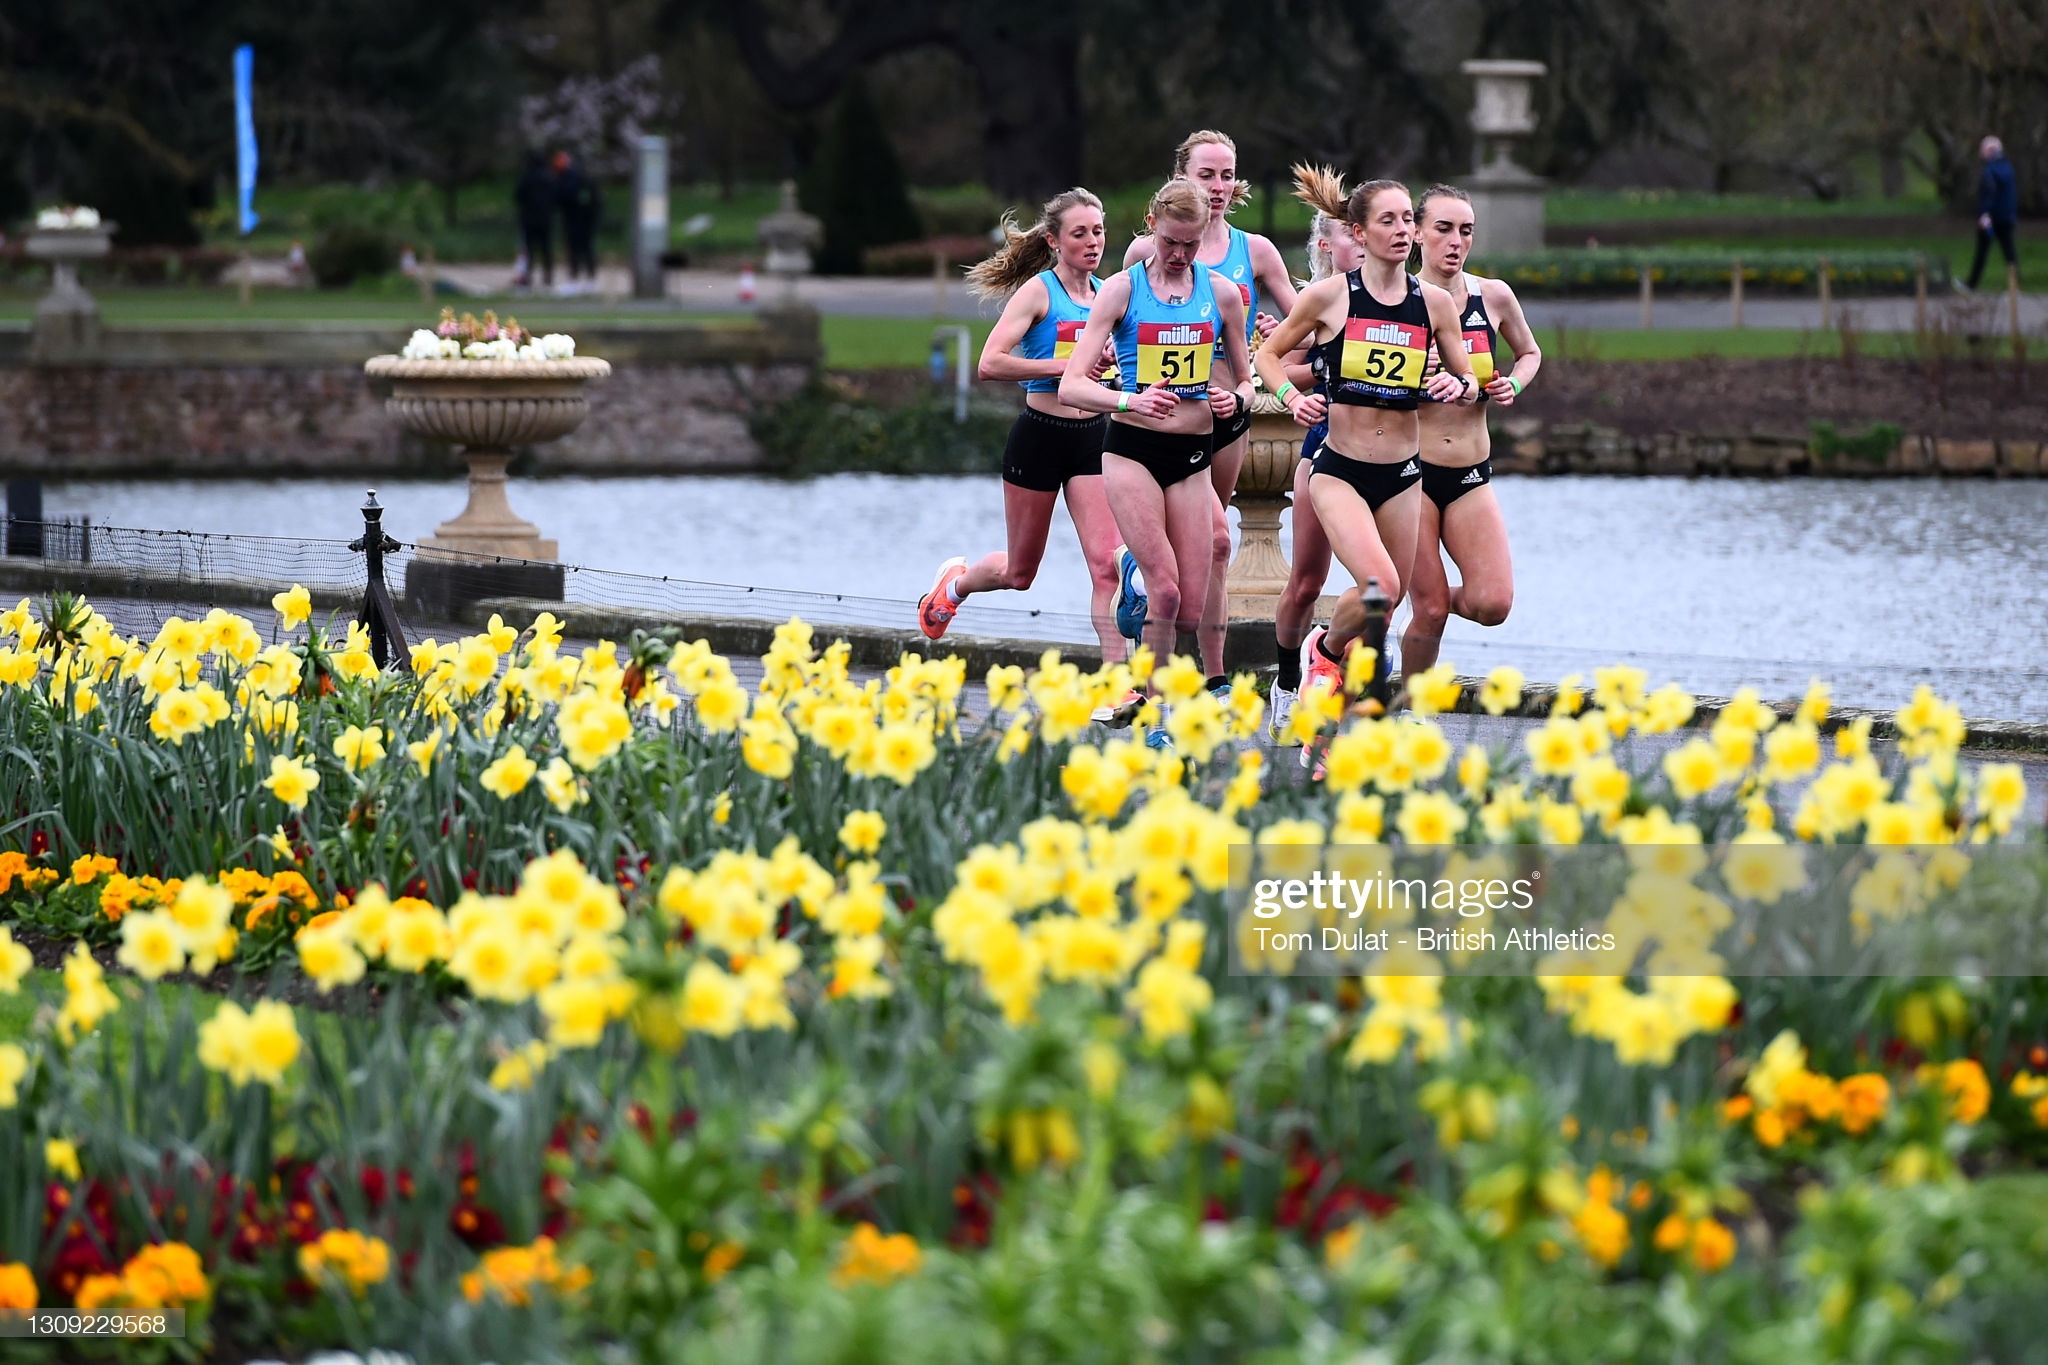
column 1258, row 573
column 1264, row 487
column 67, row 322
column 488, row 407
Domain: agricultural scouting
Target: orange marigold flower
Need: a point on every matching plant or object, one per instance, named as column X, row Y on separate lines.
column 17, row 1289
column 1865, row 1097
column 871, row 1258
column 1713, row 1245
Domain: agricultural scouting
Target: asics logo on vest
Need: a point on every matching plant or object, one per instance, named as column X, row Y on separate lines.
column 1410, row 468
column 1471, row 477
column 1391, row 333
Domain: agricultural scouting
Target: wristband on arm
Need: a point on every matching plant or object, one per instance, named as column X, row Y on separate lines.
column 1123, row 402
column 1286, row 387
column 1516, row 384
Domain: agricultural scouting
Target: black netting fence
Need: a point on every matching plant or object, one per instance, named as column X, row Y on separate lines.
column 141, row 576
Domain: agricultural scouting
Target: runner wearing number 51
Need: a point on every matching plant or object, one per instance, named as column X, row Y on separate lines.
column 1373, row 326
column 1165, row 315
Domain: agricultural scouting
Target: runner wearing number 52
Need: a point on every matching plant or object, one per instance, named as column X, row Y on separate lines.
column 1165, row 315
column 1373, row 326
column 1459, row 511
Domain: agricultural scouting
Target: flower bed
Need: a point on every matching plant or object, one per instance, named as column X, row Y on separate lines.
column 526, row 1003
column 1618, row 270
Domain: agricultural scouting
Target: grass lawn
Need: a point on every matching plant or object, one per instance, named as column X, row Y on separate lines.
column 889, row 343
column 1683, row 344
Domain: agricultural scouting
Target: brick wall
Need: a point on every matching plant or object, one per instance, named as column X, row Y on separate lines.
column 242, row 403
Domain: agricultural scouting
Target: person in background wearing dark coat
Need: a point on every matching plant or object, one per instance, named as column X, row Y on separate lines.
column 577, row 193
column 1998, row 207
column 535, row 198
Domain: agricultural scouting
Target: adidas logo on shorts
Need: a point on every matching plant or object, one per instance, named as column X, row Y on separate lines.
column 1410, row 468
column 1471, row 476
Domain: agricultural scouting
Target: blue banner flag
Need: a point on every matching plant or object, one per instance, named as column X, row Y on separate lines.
column 245, row 137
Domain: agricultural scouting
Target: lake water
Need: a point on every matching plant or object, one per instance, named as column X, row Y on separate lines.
column 1712, row 583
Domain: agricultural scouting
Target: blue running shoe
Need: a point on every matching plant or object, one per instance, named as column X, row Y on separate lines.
column 1157, row 738
column 1129, row 601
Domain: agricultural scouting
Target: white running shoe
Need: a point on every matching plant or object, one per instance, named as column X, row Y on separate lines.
column 1279, row 711
column 1118, row 714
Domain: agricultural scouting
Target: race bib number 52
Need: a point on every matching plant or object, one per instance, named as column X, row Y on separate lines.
column 1175, row 354
column 1388, row 354
column 1481, row 351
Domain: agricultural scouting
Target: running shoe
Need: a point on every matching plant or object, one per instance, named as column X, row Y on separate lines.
column 1157, row 738
column 1120, row 712
column 1280, row 711
column 936, row 609
column 1129, row 601
column 1314, row 665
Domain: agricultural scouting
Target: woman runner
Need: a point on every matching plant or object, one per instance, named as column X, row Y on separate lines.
column 1208, row 160
column 1459, row 511
column 1332, row 250
column 1165, row 315
column 1373, row 327
column 1045, row 273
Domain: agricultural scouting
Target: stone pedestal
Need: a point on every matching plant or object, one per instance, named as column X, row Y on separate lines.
column 1258, row 573
column 1507, row 201
column 487, row 407
column 1507, row 207
column 67, row 325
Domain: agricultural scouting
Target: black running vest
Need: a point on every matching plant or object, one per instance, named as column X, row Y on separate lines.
column 1377, row 361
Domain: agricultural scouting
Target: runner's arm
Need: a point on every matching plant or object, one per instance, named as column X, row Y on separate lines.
column 1453, row 382
column 1140, row 249
column 1269, row 272
column 1020, row 314
column 1298, row 328
column 1230, row 323
column 1513, row 328
column 1078, row 386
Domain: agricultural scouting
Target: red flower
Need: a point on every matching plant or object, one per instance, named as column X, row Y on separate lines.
column 475, row 1224
column 38, row 843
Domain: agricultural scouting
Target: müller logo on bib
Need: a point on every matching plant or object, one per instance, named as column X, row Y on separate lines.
column 1174, row 334
column 1388, row 334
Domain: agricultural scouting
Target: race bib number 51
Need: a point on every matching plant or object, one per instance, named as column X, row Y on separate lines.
column 1175, row 354
column 1388, row 354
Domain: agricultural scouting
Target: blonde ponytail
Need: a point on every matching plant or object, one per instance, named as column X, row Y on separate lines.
column 1240, row 190
column 1322, row 189
column 1026, row 252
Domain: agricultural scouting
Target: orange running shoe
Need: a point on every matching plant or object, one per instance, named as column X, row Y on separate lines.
column 1315, row 665
column 935, row 610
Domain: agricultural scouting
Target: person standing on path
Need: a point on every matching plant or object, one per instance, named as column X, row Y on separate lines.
column 534, row 197
column 1998, row 207
column 578, row 195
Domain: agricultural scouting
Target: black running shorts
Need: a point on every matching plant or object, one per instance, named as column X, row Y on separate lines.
column 1228, row 429
column 1376, row 483
column 1445, row 484
column 1044, row 451
column 1169, row 456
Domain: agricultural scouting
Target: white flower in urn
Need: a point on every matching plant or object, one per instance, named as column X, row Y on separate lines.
column 68, row 218
column 423, row 346
column 558, row 346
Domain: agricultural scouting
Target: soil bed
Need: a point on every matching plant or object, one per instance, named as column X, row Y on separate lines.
column 1953, row 398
